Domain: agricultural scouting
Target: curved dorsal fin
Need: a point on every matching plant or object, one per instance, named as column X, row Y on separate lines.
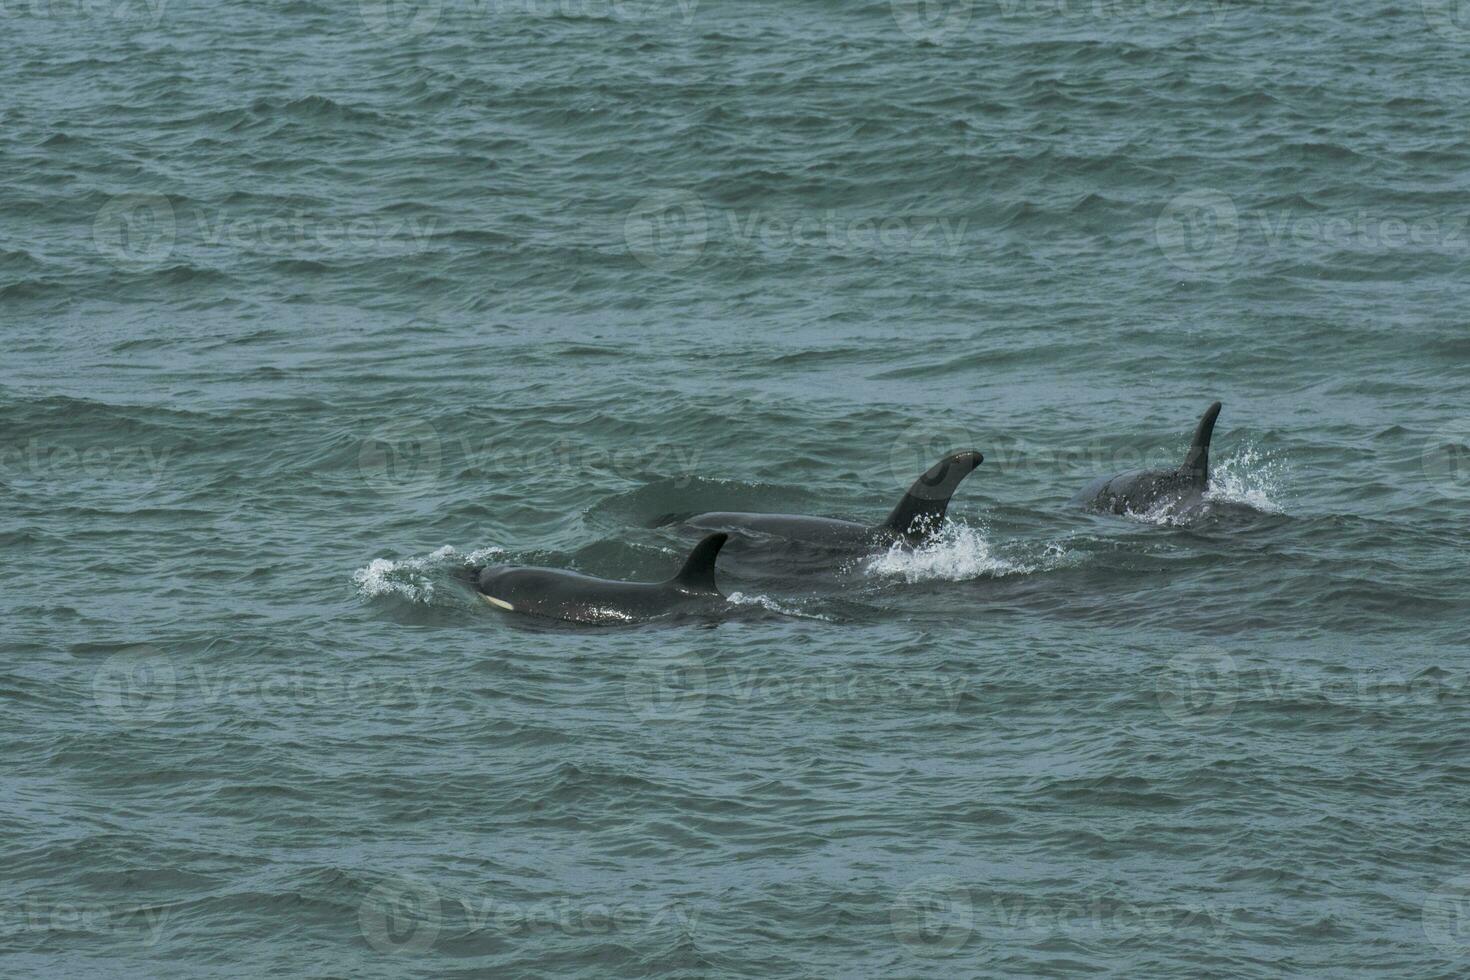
column 1197, row 463
column 698, row 573
column 921, row 510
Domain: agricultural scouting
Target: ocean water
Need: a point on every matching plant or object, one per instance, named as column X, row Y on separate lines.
column 308, row 306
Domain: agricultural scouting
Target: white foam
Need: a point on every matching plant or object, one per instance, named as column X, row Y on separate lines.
column 1164, row 513
column 957, row 553
column 413, row 578
column 1246, row 478
column 771, row 605
column 1249, row 477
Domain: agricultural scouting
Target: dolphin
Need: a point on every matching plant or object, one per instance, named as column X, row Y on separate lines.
column 918, row 516
column 558, row 594
column 1140, row 491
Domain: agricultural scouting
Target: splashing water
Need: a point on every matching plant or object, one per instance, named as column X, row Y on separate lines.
column 771, row 605
column 1249, row 477
column 413, row 578
column 957, row 553
column 1165, row 513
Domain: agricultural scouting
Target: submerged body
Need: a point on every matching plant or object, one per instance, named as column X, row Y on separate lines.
column 1143, row 491
column 557, row 594
column 794, row 527
column 918, row 516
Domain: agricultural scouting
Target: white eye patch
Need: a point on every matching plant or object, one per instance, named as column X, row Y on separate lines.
column 498, row 602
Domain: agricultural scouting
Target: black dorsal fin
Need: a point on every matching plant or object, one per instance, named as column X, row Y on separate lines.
column 1197, row 463
column 698, row 573
column 921, row 511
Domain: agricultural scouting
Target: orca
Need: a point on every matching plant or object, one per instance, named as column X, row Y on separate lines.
column 1141, row 491
column 918, row 516
column 554, row 593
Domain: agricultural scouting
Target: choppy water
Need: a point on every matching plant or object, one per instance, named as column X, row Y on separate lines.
column 307, row 306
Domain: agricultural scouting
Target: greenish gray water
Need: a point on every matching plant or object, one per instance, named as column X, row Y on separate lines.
column 309, row 306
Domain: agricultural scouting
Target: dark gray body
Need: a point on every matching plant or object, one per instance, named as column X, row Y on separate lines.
column 794, row 527
column 1142, row 491
column 919, row 515
column 557, row 594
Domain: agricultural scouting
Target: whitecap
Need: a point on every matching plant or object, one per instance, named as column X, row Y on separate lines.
column 1250, row 478
column 413, row 578
column 957, row 553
